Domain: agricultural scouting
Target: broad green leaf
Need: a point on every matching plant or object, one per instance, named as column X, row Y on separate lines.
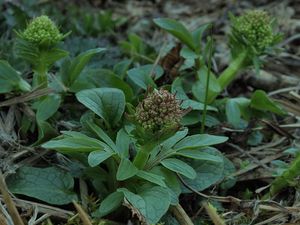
column 75, row 144
column 171, row 180
column 157, row 200
column 50, row 185
column 126, row 170
column 97, row 157
column 177, row 30
column 208, row 172
column 233, row 110
column 73, row 69
column 199, row 154
column 151, row 177
column 106, row 78
column 135, row 200
column 108, row 103
column 141, row 76
column 179, row 166
column 228, row 181
column 261, row 101
column 199, row 140
column 48, row 107
column 10, row 79
column 110, row 203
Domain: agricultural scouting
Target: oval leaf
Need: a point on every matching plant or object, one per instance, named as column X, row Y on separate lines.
column 97, row 157
column 108, row 103
column 50, row 185
column 179, row 166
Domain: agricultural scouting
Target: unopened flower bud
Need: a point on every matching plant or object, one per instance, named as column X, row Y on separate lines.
column 42, row 31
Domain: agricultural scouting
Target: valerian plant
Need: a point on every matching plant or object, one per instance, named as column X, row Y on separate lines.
column 138, row 165
column 252, row 36
column 39, row 44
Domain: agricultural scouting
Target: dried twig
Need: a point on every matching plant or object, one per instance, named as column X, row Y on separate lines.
column 9, row 203
column 82, row 214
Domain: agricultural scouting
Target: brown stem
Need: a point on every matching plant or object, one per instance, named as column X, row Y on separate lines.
column 181, row 215
column 9, row 202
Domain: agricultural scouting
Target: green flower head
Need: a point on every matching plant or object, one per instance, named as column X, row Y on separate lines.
column 42, row 31
column 158, row 111
column 254, row 28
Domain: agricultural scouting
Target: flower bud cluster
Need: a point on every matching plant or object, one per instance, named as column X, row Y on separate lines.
column 255, row 27
column 42, row 30
column 159, row 110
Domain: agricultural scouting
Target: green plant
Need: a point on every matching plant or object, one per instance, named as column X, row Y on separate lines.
column 137, row 180
column 251, row 37
column 37, row 44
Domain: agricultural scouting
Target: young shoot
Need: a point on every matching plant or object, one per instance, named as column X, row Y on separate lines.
column 252, row 36
column 37, row 44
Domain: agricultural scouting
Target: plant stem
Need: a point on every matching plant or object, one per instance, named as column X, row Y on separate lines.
column 229, row 74
column 40, row 78
column 206, row 88
column 181, row 215
column 142, row 156
column 212, row 213
column 9, row 202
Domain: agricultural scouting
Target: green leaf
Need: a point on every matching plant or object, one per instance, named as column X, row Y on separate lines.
column 233, row 110
column 153, row 178
column 110, row 203
column 122, row 142
column 208, row 172
column 195, row 105
column 194, row 117
column 135, row 200
column 199, row 140
column 177, row 30
column 121, row 68
column 172, row 182
column 97, row 157
column 10, row 79
column 45, row 132
column 75, row 144
column 170, row 142
column 261, row 101
column 50, row 185
column 199, row 154
column 141, row 75
column 105, row 78
column 73, row 69
column 48, row 107
column 197, row 35
column 179, row 166
column 157, row 201
column 101, row 134
column 177, row 88
column 108, row 103
column 199, row 87
column 126, row 170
